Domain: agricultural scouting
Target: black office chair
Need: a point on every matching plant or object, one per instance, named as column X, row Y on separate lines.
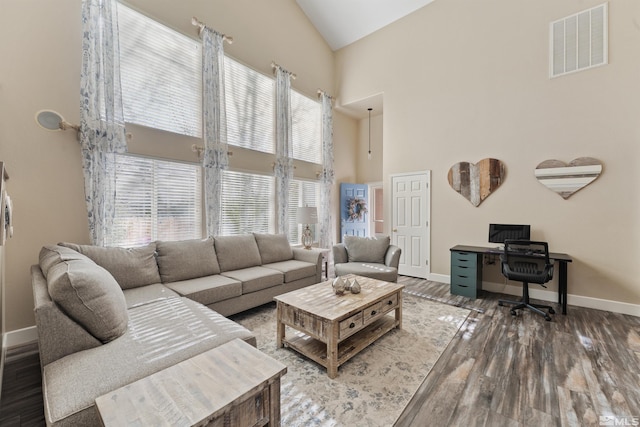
column 527, row 261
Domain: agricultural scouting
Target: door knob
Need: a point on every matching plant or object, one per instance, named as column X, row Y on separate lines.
column 395, row 230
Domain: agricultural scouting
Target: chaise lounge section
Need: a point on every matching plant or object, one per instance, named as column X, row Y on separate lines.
column 109, row 316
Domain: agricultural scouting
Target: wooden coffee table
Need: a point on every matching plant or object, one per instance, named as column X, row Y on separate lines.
column 336, row 328
column 234, row 384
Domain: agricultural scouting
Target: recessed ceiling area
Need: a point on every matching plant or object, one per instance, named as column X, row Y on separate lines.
column 342, row 22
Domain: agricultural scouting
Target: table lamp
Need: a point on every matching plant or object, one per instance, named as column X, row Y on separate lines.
column 307, row 215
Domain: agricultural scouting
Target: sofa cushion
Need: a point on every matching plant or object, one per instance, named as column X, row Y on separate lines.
column 147, row 294
column 159, row 336
column 366, row 249
column 237, row 252
column 186, row 259
column 293, row 269
column 256, row 278
column 131, row 267
column 209, row 289
column 90, row 296
column 367, row 269
column 273, row 247
column 54, row 254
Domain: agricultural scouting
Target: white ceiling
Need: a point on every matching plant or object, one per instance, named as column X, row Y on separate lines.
column 342, row 22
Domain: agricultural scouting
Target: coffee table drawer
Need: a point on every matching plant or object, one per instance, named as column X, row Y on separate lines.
column 351, row 325
column 373, row 311
column 390, row 303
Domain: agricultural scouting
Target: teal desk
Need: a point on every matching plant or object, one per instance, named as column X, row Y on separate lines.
column 466, row 271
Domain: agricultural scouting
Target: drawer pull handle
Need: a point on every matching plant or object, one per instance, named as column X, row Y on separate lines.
column 389, row 302
column 460, row 275
column 464, row 286
column 352, row 325
column 373, row 312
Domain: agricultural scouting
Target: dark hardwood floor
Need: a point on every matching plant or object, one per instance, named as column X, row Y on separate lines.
column 499, row 370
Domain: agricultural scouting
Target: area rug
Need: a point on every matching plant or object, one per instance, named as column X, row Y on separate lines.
column 373, row 387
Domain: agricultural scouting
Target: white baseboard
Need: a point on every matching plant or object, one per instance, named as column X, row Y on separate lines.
column 20, row 337
column 552, row 296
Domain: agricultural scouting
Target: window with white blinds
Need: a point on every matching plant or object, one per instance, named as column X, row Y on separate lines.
column 156, row 200
column 161, row 75
column 247, row 203
column 302, row 193
column 250, row 107
column 306, row 130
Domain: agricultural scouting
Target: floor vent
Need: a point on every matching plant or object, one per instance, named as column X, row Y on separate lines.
column 578, row 42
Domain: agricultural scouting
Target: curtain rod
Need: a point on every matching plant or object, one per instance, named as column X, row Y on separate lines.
column 197, row 23
column 274, row 65
column 322, row 92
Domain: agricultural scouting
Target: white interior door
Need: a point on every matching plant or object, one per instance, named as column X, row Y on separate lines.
column 410, row 221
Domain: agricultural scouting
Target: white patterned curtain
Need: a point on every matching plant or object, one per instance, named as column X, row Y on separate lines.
column 102, row 132
column 283, row 169
column 327, row 177
column 216, row 155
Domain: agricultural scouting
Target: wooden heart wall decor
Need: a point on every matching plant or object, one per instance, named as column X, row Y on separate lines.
column 566, row 179
column 475, row 182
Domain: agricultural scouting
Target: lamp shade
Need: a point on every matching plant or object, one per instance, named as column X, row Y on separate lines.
column 307, row 215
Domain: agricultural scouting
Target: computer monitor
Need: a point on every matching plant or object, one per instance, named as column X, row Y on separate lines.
column 498, row 233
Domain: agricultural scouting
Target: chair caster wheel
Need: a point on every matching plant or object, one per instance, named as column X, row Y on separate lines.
column 552, row 311
column 513, row 312
column 500, row 304
column 547, row 318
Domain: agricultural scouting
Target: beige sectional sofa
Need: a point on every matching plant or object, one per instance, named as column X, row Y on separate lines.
column 109, row 316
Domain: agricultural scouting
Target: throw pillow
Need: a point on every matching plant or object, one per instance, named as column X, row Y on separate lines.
column 131, row 267
column 273, row 247
column 187, row 259
column 91, row 296
column 237, row 252
column 366, row 249
column 54, row 254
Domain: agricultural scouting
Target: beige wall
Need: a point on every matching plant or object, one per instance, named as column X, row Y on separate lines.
column 40, row 47
column 466, row 80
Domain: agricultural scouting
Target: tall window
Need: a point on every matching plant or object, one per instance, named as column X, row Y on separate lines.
column 156, row 200
column 302, row 193
column 250, row 107
column 306, row 129
column 247, row 203
column 161, row 75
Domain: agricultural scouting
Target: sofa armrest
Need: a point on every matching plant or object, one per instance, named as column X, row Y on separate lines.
column 58, row 334
column 307, row 255
column 340, row 255
column 392, row 258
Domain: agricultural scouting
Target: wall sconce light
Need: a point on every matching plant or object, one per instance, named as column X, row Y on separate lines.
column 51, row 120
column 369, row 154
column 307, row 215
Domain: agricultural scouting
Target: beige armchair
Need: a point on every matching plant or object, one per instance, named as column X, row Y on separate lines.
column 369, row 257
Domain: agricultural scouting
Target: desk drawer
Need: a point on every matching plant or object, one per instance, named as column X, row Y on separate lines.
column 465, row 290
column 464, row 259
column 467, row 280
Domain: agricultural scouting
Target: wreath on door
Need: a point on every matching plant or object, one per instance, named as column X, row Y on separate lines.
column 356, row 208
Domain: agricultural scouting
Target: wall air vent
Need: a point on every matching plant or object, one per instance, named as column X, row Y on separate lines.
column 578, row 42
